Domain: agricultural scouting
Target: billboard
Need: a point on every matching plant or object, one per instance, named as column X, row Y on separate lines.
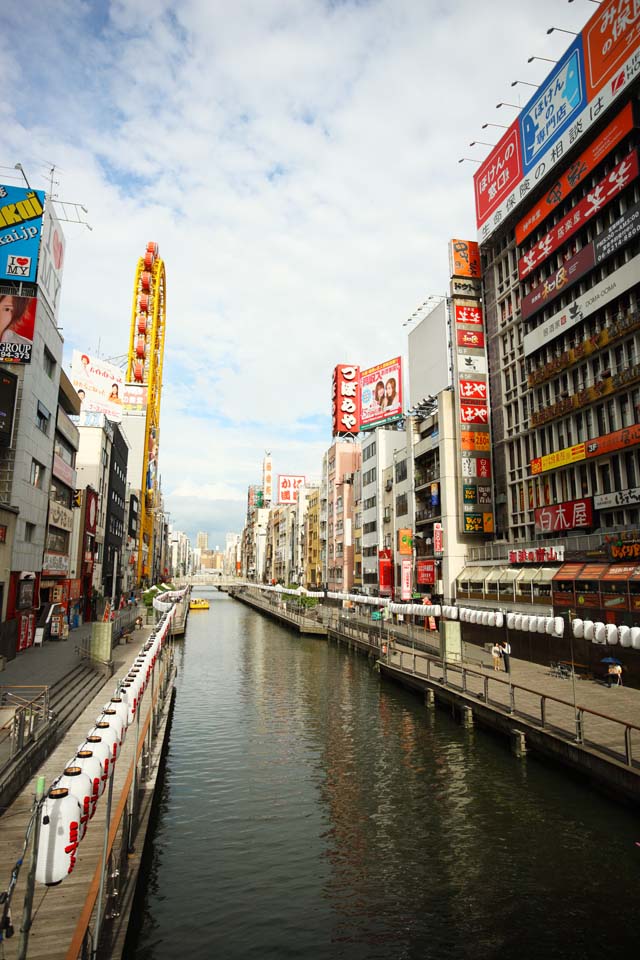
column 425, row 571
column 51, row 263
column 99, row 384
column 20, row 231
column 381, row 394
column 345, row 399
column 576, row 172
column 8, row 393
column 608, row 188
column 134, row 397
column 405, row 541
column 267, row 480
column 17, row 323
column 288, row 487
column 569, row 515
column 407, row 578
column 598, row 67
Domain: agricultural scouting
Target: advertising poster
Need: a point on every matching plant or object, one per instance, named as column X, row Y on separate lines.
column 21, row 213
column 381, row 394
column 8, row 394
column 51, row 263
column 99, row 384
column 134, row 397
column 406, row 588
column 17, row 323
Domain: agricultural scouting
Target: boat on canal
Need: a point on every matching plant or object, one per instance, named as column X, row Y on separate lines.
column 198, row 603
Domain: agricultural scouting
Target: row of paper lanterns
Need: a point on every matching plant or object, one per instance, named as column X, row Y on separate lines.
column 72, row 799
column 609, row 633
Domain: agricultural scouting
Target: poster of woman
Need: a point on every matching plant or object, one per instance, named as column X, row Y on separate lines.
column 381, row 393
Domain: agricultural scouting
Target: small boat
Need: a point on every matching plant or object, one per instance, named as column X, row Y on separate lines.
column 198, row 603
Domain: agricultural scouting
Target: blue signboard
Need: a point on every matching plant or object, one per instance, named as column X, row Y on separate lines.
column 21, row 212
column 556, row 104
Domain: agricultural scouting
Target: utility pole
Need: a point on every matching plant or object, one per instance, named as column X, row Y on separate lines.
column 31, row 878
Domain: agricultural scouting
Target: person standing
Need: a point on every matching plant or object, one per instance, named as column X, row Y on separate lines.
column 506, row 655
column 496, row 653
column 617, row 671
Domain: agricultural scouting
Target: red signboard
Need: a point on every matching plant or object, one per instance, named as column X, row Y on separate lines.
column 610, row 442
column 499, row 174
column 288, row 487
column 385, row 572
column 571, row 515
column 346, row 399
column 558, row 282
column 576, row 172
column 608, row 40
column 437, row 538
column 474, row 413
column 616, row 181
column 473, row 390
column 465, row 314
column 464, row 259
column 470, row 338
column 426, row 571
column 91, row 507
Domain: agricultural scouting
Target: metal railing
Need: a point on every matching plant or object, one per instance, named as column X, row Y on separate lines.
column 26, row 709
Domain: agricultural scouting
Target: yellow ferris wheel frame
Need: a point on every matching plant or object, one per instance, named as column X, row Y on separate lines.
column 150, row 282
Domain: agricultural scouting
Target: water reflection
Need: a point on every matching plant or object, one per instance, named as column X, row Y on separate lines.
column 311, row 810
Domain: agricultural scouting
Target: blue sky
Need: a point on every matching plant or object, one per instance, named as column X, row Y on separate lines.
column 296, row 161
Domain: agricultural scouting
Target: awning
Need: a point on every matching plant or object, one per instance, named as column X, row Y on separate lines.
column 545, row 574
column 529, row 574
column 472, row 573
column 593, row 571
column 568, row 571
column 494, row 574
column 509, row 574
column 621, row 571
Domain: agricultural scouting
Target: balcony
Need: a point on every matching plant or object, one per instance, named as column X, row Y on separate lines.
column 424, row 516
column 422, row 479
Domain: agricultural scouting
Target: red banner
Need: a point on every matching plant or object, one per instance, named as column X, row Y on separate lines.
column 576, row 173
column 558, row 282
column 437, row 538
column 385, row 572
column 499, row 174
column 474, row 413
column 608, row 188
column 610, row 442
column 571, row 515
column 345, row 401
column 465, row 314
column 473, row 390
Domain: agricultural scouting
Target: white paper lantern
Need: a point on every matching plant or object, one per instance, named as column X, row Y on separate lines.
column 79, row 785
column 59, row 836
column 624, row 633
column 102, row 751
column 454, row 613
column 524, row 624
column 518, row 622
column 578, row 629
column 542, row 624
column 511, row 621
column 612, row 634
column 589, row 630
column 499, row 620
column 558, row 626
column 635, row 638
column 600, row 632
column 492, row 619
column 114, row 720
column 93, row 768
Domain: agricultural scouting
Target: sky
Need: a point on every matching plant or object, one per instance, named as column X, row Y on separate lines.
column 297, row 163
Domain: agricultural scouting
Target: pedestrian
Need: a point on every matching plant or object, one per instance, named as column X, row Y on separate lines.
column 496, row 653
column 617, row 671
column 611, row 674
column 506, row 655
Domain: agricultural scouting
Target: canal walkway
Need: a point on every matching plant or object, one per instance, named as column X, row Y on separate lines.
column 64, row 914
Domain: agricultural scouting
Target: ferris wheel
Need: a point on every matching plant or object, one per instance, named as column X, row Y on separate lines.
column 144, row 369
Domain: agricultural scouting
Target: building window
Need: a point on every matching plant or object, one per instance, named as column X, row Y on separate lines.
column 401, row 471
column 29, row 530
column 49, row 364
column 43, row 418
column 370, row 527
column 401, row 505
column 37, row 474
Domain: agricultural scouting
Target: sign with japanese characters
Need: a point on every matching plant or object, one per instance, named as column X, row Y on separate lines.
column 381, row 394
column 597, row 198
column 474, row 413
column 17, row 325
column 558, row 100
column 500, row 173
column 267, row 480
column 99, row 385
column 563, row 278
column 621, row 498
column 345, row 400
column 559, row 458
column 626, row 228
column 576, row 172
column 539, row 555
column 469, row 364
column 405, row 541
column 466, row 288
column 426, row 571
column 470, row 339
column 475, row 440
column 569, row 515
column 603, row 292
column 21, row 214
column 464, row 259
column 406, row 584
column 467, row 314
column 438, row 539
column 476, row 467
column 51, row 262
column 610, row 442
column 611, row 58
column 473, row 390
column 288, row 487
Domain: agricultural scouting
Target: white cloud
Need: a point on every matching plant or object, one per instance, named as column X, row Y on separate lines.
column 296, row 161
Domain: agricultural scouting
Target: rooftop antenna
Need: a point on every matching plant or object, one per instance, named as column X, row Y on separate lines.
column 67, row 211
column 19, row 167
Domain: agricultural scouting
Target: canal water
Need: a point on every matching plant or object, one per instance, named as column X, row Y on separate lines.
column 312, row 810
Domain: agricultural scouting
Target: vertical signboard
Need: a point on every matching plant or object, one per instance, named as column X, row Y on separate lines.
column 267, row 481
column 473, row 428
column 345, row 400
column 381, row 394
column 20, row 231
column 51, row 263
column 288, row 487
column 406, row 588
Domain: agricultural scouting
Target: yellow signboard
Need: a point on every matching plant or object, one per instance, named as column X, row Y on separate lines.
column 559, row 458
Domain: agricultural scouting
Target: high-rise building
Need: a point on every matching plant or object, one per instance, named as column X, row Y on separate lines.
column 202, row 541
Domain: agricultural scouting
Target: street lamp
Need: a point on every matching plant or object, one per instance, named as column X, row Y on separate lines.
column 470, row 159
column 502, row 126
column 503, row 103
column 546, row 59
column 526, row 83
column 576, row 712
column 561, row 30
column 481, row 143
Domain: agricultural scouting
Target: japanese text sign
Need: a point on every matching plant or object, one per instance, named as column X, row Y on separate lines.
column 438, row 538
column 426, row 571
column 381, row 394
column 575, row 173
column 464, row 259
column 470, row 339
column 345, row 401
column 17, row 324
column 288, row 487
column 560, row 98
column 406, row 587
column 570, row 515
column 609, row 38
column 499, row 174
column 473, row 390
column 465, row 314
column 474, row 413
column 609, row 187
